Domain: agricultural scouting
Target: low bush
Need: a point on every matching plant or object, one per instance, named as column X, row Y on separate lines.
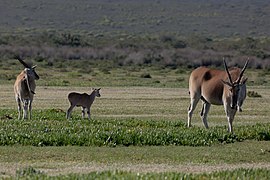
column 146, row 75
column 167, row 51
column 254, row 94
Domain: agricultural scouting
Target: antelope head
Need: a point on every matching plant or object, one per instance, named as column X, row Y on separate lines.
column 30, row 71
column 237, row 89
column 97, row 94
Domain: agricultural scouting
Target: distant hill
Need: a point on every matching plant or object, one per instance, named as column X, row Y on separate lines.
column 206, row 17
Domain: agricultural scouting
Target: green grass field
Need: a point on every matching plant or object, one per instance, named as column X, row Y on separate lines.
column 156, row 160
column 133, row 130
column 138, row 127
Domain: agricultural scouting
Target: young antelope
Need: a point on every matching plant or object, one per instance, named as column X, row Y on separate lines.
column 84, row 100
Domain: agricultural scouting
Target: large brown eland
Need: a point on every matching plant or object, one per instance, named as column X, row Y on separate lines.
column 84, row 100
column 24, row 89
column 212, row 86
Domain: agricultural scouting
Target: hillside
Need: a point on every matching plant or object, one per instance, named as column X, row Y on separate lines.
column 119, row 33
column 206, row 17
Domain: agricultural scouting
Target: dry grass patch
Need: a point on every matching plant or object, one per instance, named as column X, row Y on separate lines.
column 143, row 102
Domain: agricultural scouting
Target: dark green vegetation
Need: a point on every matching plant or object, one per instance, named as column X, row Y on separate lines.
column 88, row 73
column 118, row 51
column 52, row 129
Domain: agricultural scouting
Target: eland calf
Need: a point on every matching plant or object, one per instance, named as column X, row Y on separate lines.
column 227, row 88
column 84, row 100
column 24, row 89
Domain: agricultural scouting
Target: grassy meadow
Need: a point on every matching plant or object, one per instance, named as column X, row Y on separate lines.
column 135, row 132
column 141, row 55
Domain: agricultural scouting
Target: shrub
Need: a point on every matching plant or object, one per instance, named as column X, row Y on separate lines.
column 179, row 44
column 146, row 75
column 28, row 171
column 254, row 94
column 168, row 51
column 67, row 39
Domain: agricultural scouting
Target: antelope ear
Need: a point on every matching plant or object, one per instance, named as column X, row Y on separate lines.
column 226, row 83
column 34, row 66
column 244, row 81
column 98, row 89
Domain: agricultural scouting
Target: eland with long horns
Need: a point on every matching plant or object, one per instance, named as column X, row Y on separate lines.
column 24, row 89
column 212, row 86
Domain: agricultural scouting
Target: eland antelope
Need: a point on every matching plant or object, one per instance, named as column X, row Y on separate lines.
column 84, row 100
column 212, row 86
column 24, row 89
